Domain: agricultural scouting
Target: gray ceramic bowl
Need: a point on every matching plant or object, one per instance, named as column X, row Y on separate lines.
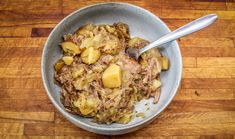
column 142, row 23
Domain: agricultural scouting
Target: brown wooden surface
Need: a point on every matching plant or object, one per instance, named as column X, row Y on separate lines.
column 203, row 108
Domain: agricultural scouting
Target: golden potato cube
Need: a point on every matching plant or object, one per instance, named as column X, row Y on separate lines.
column 84, row 30
column 86, row 43
column 165, row 63
column 59, row 65
column 111, row 77
column 110, row 29
column 68, row 60
column 78, row 72
column 70, row 47
column 90, row 55
column 86, row 104
column 156, row 84
column 126, row 118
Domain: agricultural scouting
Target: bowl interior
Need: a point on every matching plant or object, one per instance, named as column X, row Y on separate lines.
column 141, row 23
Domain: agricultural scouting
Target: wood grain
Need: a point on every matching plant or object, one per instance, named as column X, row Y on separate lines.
column 204, row 107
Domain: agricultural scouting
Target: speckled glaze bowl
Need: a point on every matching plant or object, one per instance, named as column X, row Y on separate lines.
column 142, row 23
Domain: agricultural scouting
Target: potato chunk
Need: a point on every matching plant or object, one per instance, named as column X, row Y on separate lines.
column 78, row 72
column 68, row 60
column 70, row 48
column 90, row 55
column 165, row 63
column 156, row 84
column 126, row 118
column 59, row 65
column 111, row 77
column 86, row 43
column 85, row 30
column 86, row 104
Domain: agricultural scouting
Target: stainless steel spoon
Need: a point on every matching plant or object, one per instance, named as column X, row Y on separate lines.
column 189, row 28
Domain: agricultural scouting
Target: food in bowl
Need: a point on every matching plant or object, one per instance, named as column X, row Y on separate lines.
column 99, row 80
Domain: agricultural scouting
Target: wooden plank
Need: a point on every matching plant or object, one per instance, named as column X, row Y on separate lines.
column 33, row 23
column 32, row 7
column 190, row 5
column 220, row 29
column 22, row 42
column 11, row 128
column 11, row 62
column 27, row 106
column 30, row 116
column 205, row 83
column 230, row 5
column 201, row 105
column 205, row 94
column 16, row 72
column 25, row 137
column 18, row 63
column 195, row 118
column 79, row 137
column 39, row 129
column 189, row 62
column 40, row 32
column 216, row 62
column 220, row 136
column 17, row 93
column 193, row 14
column 10, row 72
column 185, row 137
column 209, row 73
column 15, row 31
column 206, row 42
column 72, row 130
column 187, row 129
column 72, row 5
column 31, row 62
column 32, row 83
column 21, row 83
column 31, row 72
column 208, row 52
column 22, row 52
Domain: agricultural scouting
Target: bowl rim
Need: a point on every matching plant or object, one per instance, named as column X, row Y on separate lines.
column 92, row 127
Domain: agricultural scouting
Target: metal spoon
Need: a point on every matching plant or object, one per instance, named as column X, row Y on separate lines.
column 189, row 28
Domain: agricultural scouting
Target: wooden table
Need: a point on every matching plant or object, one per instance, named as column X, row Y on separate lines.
column 203, row 108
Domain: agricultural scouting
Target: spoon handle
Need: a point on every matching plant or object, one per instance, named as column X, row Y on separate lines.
column 189, row 28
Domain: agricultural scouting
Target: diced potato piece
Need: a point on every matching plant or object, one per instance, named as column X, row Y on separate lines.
column 143, row 63
column 86, row 43
column 112, row 46
column 112, row 76
column 110, row 29
column 70, row 47
column 90, row 55
column 79, row 83
column 78, row 72
column 125, row 119
column 165, row 63
column 59, row 65
column 68, row 60
column 140, row 114
column 84, row 30
column 156, row 84
column 86, row 104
